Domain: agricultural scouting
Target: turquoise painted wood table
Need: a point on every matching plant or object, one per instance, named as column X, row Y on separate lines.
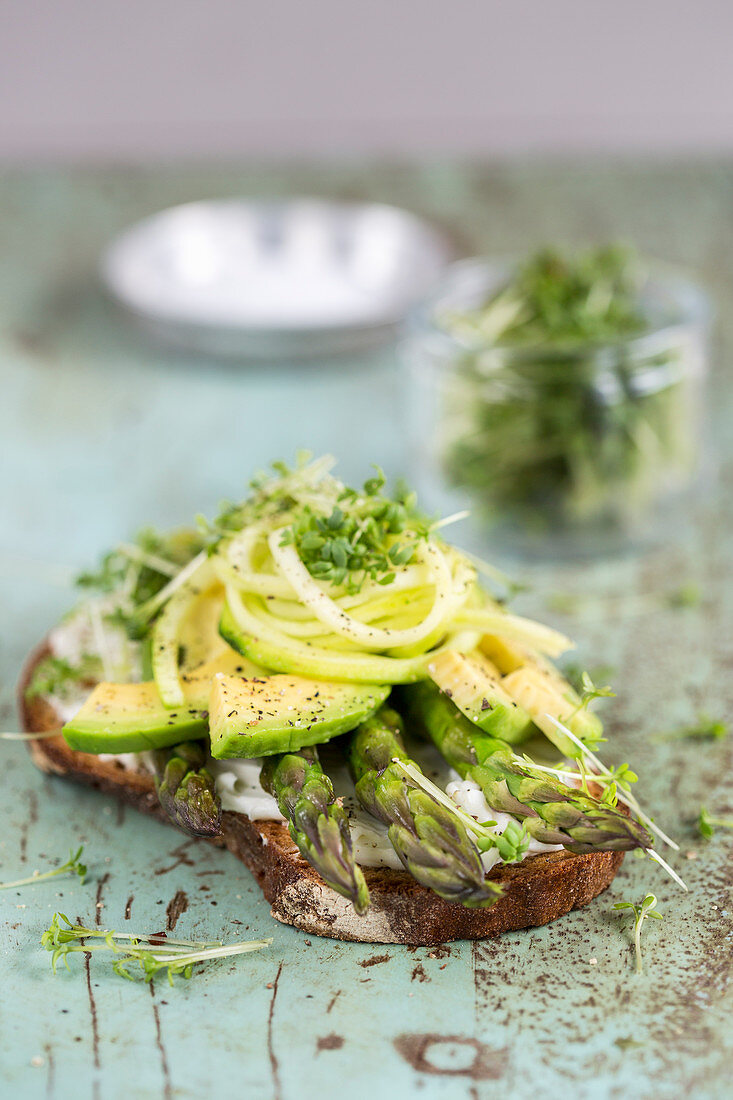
column 101, row 433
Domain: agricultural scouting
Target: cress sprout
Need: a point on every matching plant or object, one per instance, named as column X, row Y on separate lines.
column 641, row 912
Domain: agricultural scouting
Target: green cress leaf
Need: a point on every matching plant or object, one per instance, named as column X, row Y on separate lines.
column 550, row 426
column 641, row 912
column 150, row 954
column 58, row 676
column 141, row 570
column 707, row 823
column 365, row 535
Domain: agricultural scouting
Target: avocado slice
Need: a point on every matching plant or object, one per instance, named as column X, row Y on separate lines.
column 198, row 681
column 540, row 687
column 132, row 718
column 505, row 654
column 474, row 685
column 542, row 691
column 263, row 715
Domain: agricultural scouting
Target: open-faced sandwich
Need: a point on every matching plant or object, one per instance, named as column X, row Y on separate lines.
column 318, row 681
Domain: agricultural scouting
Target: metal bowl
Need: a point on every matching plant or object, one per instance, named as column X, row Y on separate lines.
column 274, row 279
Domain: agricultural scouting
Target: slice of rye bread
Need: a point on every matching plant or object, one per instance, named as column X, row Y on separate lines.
column 536, row 891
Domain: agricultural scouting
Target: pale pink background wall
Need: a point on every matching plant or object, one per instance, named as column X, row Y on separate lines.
column 101, row 79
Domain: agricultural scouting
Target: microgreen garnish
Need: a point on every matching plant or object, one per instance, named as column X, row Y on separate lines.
column 160, row 556
column 73, row 866
column 705, row 729
column 137, row 572
column 151, row 954
column 641, row 912
column 533, row 382
column 620, row 775
column 574, row 673
column 707, row 824
column 364, row 535
column 344, row 536
column 603, row 776
column 562, row 299
column 588, row 694
column 609, row 796
column 58, row 676
column 589, row 691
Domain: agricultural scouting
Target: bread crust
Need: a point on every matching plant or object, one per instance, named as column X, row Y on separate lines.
column 537, row 891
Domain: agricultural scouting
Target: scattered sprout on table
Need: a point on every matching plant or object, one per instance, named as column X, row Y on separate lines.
column 148, row 954
column 707, row 823
column 641, row 912
column 73, row 866
column 705, row 729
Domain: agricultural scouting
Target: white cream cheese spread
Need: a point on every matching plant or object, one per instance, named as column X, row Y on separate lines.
column 84, row 633
column 238, row 786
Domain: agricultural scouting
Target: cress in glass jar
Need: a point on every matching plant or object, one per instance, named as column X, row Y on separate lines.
column 560, row 397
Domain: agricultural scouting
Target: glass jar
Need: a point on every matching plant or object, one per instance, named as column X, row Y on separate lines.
column 584, row 446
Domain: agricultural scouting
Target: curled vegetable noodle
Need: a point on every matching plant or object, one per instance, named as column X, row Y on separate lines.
column 336, row 583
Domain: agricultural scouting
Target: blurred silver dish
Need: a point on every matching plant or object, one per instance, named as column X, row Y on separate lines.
column 274, row 279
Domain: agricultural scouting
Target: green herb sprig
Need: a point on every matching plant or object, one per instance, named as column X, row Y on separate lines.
column 574, row 673
column 592, row 739
column 366, row 535
column 148, row 954
column 707, row 823
column 615, row 776
column 641, row 912
column 562, row 299
column 73, row 866
column 343, row 535
column 589, row 692
column 545, row 420
column 57, row 676
column 621, row 775
column 139, row 570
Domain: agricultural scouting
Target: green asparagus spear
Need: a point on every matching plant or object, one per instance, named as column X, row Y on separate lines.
column 186, row 789
column 431, row 841
column 316, row 820
column 553, row 812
